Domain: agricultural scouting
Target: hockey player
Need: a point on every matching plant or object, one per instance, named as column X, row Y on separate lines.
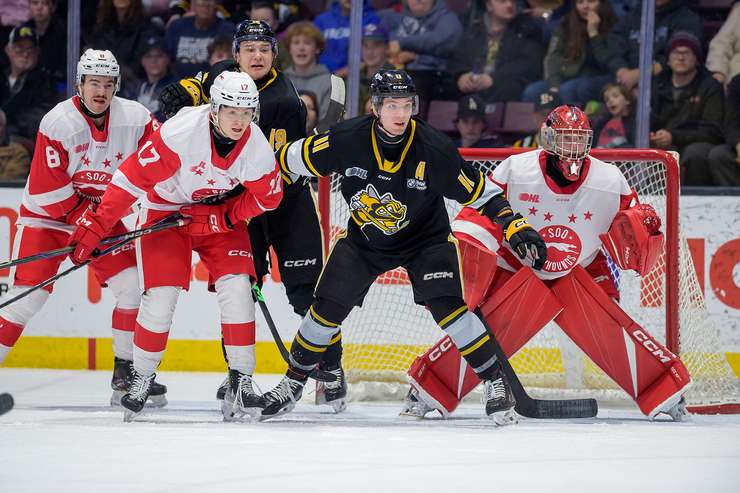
column 293, row 229
column 578, row 204
column 79, row 145
column 396, row 171
column 203, row 152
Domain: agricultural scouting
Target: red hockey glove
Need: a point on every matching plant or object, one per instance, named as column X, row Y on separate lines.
column 524, row 239
column 207, row 219
column 76, row 212
column 86, row 237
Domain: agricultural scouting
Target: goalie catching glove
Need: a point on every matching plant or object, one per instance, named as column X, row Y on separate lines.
column 523, row 238
column 634, row 240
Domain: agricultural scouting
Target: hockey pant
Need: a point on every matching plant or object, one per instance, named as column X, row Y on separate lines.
column 165, row 263
column 521, row 305
column 116, row 270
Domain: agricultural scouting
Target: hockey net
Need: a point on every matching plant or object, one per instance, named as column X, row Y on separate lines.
column 383, row 337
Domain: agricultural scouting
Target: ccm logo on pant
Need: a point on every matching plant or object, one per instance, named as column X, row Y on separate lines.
column 299, row 263
column 239, row 253
column 438, row 275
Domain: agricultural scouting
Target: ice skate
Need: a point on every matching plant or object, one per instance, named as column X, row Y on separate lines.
column 334, row 393
column 675, row 408
column 139, row 392
column 282, row 399
column 241, row 402
column 123, row 371
column 222, row 389
column 499, row 400
column 414, row 406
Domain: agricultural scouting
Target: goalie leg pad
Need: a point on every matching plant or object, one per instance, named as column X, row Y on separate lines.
column 441, row 375
column 478, row 268
column 640, row 365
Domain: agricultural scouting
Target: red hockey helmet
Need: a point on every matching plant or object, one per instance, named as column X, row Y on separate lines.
column 566, row 133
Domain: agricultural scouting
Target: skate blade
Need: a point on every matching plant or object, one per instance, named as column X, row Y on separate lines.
column 128, row 415
column 406, row 414
column 504, row 418
column 337, row 405
column 154, row 401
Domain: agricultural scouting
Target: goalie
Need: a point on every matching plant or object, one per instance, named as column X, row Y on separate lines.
column 577, row 204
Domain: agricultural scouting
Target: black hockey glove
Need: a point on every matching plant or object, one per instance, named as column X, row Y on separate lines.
column 175, row 96
column 524, row 239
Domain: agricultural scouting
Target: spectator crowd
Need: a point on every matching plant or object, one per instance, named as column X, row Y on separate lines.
column 472, row 59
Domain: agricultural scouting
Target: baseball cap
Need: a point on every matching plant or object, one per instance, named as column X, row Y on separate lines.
column 547, row 101
column 23, row 32
column 471, row 105
column 375, row 32
column 154, row 43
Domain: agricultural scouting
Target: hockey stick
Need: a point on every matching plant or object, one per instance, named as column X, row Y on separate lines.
column 335, row 111
column 539, row 408
column 131, row 235
column 166, row 223
column 6, row 403
column 316, row 374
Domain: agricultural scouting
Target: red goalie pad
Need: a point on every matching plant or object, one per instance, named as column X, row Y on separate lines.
column 520, row 306
column 634, row 241
column 478, row 268
column 627, row 353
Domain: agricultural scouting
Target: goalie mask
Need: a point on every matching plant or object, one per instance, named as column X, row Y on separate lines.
column 234, row 89
column 393, row 84
column 249, row 30
column 566, row 133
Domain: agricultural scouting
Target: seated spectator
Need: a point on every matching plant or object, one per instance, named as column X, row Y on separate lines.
column 545, row 103
column 219, row 50
column 499, row 54
column 15, row 161
column 27, row 91
column 305, row 44
column 724, row 160
column 576, row 61
column 687, row 109
column 52, row 33
column 671, row 16
column 156, row 62
column 312, row 107
column 471, row 123
column 122, row 28
column 422, row 38
column 374, row 57
column 263, row 10
column 188, row 37
column 723, row 59
column 615, row 127
column 334, row 26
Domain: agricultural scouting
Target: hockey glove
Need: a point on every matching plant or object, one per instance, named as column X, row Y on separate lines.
column 78, row 210
column 175, row 96
column 524, row 239
column 86, row 237
column 207, row 219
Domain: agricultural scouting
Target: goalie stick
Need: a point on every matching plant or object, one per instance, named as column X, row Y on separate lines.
column 530, row 407
column 316, row 373
column 6, row 403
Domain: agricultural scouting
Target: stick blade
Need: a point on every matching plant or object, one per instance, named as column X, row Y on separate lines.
column 557, row 409
column 337, row 89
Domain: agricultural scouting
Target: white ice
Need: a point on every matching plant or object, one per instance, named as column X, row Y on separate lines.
column 62, row 436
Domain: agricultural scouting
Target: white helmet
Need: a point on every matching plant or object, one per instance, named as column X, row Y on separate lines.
column 98, row 62
column 235, row 89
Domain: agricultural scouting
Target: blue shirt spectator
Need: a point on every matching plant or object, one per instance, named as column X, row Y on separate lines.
column 334, row 25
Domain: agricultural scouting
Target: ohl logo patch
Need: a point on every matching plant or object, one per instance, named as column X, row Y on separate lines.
column 563, row 248
column 382, row 211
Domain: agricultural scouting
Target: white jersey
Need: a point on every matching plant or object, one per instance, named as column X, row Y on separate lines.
column 179, row 166
column 569, row 219
column 73, row 158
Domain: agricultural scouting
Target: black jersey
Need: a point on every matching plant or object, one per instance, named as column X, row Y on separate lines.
column 395, row 206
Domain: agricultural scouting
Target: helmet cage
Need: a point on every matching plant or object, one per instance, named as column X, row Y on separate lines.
column 570, row 143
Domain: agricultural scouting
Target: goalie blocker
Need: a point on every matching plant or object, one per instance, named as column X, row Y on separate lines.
column 653, row 376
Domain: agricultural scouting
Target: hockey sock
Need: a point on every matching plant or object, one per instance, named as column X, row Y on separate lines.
column 332, row 358
column 237, row 321
column 125, row 288
column 238, row 345
column 309, row 345
column 153, row 327
column 9, row 334
column 467, row 332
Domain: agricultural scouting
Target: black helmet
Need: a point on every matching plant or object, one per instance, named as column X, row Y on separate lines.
column 392, row 84
column 248, row 30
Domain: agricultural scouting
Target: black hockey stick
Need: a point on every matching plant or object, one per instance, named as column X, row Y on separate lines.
column 316, row 373
column 131, row 235
column 166, row 223
column 6, row 403
column 335, row 111
column 540, row 408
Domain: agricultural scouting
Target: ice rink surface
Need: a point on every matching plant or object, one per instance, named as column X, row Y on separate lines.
column 63, row 436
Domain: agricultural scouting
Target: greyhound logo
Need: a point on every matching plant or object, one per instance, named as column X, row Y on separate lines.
column 563, row 248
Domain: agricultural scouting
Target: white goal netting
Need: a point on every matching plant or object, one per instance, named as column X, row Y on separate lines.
column 382, row 338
